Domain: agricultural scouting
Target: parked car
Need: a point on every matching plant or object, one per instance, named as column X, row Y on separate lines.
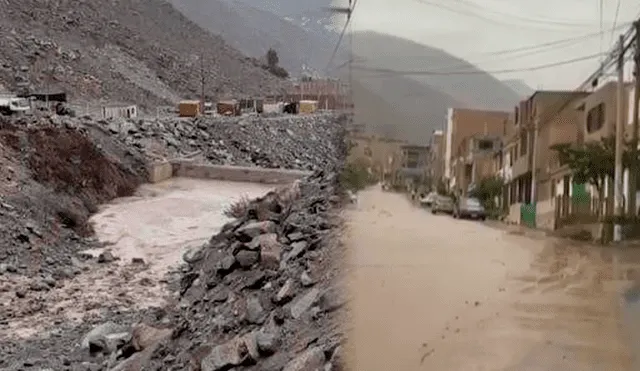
column 442, row 204
column 469, row 207
column 427, row 201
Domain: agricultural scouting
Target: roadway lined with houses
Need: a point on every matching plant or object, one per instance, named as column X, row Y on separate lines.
column 479, row 144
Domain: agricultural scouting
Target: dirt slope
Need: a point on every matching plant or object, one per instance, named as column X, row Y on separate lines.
column 141, row 51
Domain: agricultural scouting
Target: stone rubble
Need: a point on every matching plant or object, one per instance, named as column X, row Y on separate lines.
column 259, row 313
column 304, row 142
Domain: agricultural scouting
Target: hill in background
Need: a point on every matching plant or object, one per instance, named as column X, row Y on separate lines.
column 519, row 87
column 420, row 102
column 136, row 51
column 254, row 31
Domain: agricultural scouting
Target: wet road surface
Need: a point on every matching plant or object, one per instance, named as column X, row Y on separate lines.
column 434, row 293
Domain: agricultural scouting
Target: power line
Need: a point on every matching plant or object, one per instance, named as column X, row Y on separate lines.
column 608, row 62
column 546, row 22
column 528, row 51
column 601, row 13
column 344, row 30
column 615, row 19
column 536, row 24
column 559, row 42
column 475, row 72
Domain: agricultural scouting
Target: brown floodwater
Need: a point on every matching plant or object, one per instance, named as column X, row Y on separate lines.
column 434, row 293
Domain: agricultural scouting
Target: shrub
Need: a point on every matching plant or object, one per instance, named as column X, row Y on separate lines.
column 238, row 209
column 355, row 177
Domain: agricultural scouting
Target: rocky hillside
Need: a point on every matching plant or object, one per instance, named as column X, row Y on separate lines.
column 140, row 51
column 254, row 31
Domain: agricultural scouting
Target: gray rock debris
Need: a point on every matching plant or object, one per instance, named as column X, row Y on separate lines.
column 292, row 142
column 311, row 360
column 304, row 303
column 224, row 356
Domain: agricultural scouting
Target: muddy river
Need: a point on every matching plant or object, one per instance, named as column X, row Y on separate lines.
column 434, row 293
column 155, row 226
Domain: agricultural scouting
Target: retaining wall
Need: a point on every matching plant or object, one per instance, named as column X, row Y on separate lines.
column 189, row 169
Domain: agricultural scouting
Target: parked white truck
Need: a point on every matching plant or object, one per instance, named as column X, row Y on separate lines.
column 11, row 105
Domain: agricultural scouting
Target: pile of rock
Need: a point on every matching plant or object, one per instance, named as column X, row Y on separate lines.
column 292, row 142
column 53, row 177
column 260, row 295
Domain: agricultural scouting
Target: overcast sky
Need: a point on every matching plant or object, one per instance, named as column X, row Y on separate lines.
column 495, row 25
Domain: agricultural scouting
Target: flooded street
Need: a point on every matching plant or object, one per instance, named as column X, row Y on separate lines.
column 434, row 293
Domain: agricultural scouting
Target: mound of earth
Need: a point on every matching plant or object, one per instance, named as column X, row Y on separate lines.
column 135, row 51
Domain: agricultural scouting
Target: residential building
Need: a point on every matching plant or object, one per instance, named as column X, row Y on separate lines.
column 125, row 111
column 415, row 163
column 561, row 125
column 331, row 94
column 383, row 155
column 475, row 160
column 462, row 125
column 436, row 157
column 598, row 115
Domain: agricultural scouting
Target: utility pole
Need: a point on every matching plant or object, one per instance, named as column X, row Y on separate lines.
column 635, row 168
column 534, row 163
column 618, row 210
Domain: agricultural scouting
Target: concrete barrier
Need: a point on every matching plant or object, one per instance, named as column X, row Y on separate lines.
column 160, row 171
column 191, row 169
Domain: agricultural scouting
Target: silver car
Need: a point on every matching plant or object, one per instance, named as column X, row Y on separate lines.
column 469, row 207
column 442, row 204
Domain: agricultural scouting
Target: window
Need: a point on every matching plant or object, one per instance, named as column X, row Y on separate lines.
column 516, row 116
column 468, row 171
column 523, row 143
column 485, row 145
column 595, row 118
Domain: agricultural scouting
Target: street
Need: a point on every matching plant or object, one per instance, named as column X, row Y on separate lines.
column 434, row 293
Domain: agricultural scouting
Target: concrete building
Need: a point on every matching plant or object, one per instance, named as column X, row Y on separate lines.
column 597, row 115
column 436, row 157
column 383, row 155
column 415, row 164
column 475, row 160
column 541, row 121
column 462, row 125
column 331, row 94
column 124, row 111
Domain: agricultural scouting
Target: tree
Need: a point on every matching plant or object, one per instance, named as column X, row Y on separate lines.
column 355, row 176
column 272, row 58
column 272, row 65
column 593, row 162
column 487, row 190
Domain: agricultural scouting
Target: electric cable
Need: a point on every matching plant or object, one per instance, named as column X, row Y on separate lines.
column 551, row 22
column 500, row 21
column 615, row 19
column 475, row 72
column 528, row 50
column 344, row 30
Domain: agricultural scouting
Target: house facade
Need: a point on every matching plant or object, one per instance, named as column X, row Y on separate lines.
column 465, row 128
